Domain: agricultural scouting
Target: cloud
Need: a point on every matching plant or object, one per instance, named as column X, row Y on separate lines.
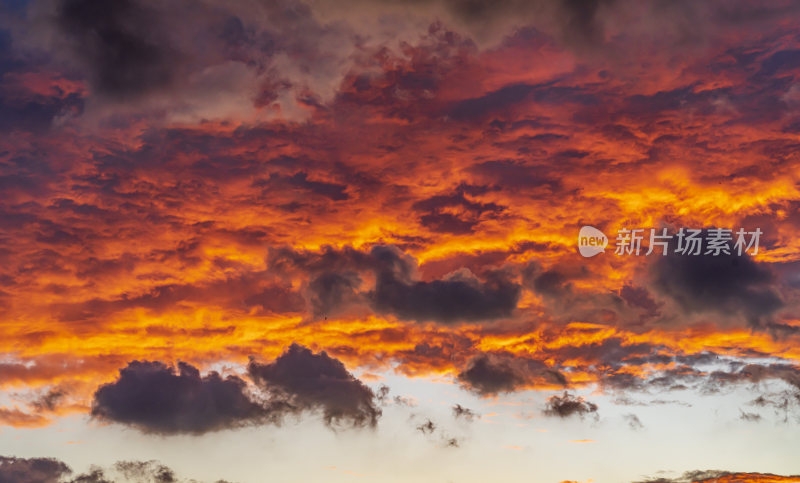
column 332, row 291
column 568, row 405
column 755, row 373
column 157, row 398
column 317, row 382
column 51, row 470
column 32, row 470
column 123, row 45
column 150, row 470
column 427, row 427
column 716, row 476
column 751, row 417
column 491, row 373
column 50, row 400
column 460, row 412
column 455, row 213
column 725, row 284
column 633, row 421
column 460, row 296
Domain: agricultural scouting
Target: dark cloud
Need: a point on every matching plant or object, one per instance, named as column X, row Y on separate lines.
column 94, row 475
column 460, row 411
column 492, row 373
column 22, row 109
column 455, row 213
column 452, row 443
column 32, row 470
column 146, row 470
column 50, row 400
column 157, row 398
column 756, row 373
column 123, row 45
column 331, row 291
column 334, row 191
column 244, row 291
column 449, row 300
column 427, row 427
column 568, row 405
column 460, row 296
column 639, row 297
column 317, row 382
column 726, row 284
column 37, row 113
column 50, row 470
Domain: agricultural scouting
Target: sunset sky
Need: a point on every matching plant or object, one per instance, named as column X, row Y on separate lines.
column 337, row 241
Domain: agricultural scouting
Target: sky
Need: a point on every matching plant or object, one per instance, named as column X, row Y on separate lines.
column 338, row 240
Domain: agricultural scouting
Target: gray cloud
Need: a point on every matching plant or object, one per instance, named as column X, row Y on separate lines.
column 308, row 381
column 568, row 405
column 726, row 284
column 156, row 398
column 493, row 373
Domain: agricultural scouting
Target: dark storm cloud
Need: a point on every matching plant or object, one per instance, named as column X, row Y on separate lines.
column 727, row 284
column 157, row 398
column 317, row 382
column 489, row 374
column 123, row 44
column 568, row 405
